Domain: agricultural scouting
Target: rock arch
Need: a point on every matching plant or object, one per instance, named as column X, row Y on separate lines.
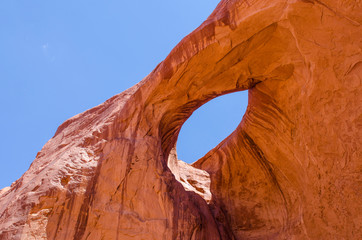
column 104, row 174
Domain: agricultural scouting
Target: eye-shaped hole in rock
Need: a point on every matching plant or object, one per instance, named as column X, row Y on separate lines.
column 210, row 124
column 203, row 131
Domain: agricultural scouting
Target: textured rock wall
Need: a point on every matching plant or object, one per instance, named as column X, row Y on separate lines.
column 291, row 169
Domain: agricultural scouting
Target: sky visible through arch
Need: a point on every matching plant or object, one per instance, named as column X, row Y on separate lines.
column 60, row 58
column 210, row 124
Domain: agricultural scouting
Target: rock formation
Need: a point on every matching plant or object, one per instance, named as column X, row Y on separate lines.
column 291, row 169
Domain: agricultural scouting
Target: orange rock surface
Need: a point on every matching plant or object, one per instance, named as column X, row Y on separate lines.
column 291, row 169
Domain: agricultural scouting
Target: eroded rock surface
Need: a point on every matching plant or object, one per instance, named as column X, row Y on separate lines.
column 291, row 169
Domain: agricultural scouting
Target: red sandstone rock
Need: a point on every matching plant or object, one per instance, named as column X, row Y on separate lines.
column 291, row 169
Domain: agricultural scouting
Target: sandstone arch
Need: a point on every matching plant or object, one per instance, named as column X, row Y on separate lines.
column 291, row 169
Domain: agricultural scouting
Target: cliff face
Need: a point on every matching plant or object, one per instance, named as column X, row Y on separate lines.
column 291, row 169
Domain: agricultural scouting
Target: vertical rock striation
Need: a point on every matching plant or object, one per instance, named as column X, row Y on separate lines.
column 291, row 169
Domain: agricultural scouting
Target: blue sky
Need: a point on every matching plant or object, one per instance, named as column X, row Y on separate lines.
column 60, row 58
